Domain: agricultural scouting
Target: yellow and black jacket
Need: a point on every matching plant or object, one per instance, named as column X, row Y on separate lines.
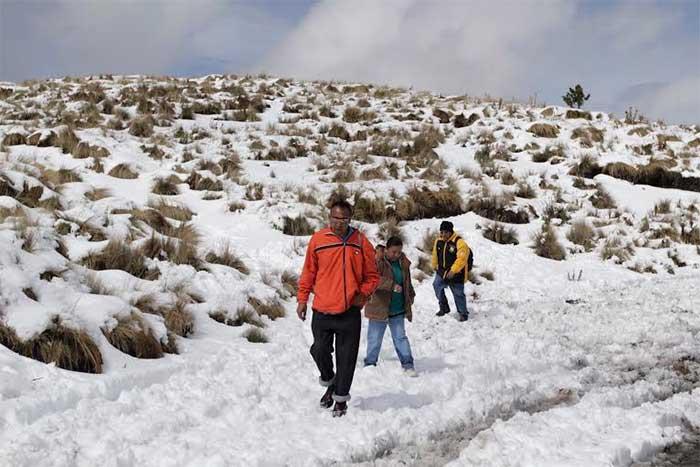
column 451, row 255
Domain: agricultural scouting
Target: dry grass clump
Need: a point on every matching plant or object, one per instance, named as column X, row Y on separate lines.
column 601, row 199
column 297, row 226
column 497, row 207
column 582, row 234
column 119, row 255
column 142, row 127
column 68, row 348
column 547, row 245
column 96, row 194
column 499, row 233
column 227, row 257
column 372, row 210
column 244, row 315
column 256, row 336
column 391, row 228
column 422, row 203
column 123, row 171
column 166, row 186
column 586, row 167
column 616, row 248
column 548, row 153
column 134, row 337
column 84, row 150
column 353, row 114
column 172, row 210
column 544, row 130
column 588, row 135
column 54, row 178
column 273, row 308
column 200, row 183
column 254, row 192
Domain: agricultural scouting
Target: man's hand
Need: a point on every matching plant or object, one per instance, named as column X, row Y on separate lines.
column 359, row 300
column 301, row 311
column 449, row 275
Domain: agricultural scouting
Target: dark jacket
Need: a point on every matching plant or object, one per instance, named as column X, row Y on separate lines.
column 451, row 255
column 377, row 307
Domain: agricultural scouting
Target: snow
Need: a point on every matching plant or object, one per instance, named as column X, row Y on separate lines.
column 548, row 371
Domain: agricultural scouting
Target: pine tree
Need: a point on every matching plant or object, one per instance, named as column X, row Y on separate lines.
column 575, row 97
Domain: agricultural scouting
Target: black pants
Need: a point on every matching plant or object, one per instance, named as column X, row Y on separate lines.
column 345, row 328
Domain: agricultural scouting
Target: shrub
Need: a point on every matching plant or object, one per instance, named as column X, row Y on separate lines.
column 227, row 257
column 426, row 203
column 296, row 226
column 499, row 233
column 273, row 309
column 575, row 97
column 122, row 171
column 166, row 186
column 498, row 208
column 369, row 210
column 68, row 348
column 118, row 255
column 142, row 127
column 547, row 244
column 255, row 335
column 601, row 199
column 134, row 337
column 244, row 315
column 582, row 234
column 200, row 183
column 544, row 130
column 616, row 248
column 171, row 210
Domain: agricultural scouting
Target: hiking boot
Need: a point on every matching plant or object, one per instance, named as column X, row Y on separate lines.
column 327, row 400
column 340, row 409
column 461, row 318
column 442, row 312
column 410, row 372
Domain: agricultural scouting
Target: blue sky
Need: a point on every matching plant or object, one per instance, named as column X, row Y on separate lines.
column 625, row 53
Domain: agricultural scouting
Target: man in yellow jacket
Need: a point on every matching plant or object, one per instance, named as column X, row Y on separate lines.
column 450, row 255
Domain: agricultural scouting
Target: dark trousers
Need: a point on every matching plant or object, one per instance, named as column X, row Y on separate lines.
column 345, row 328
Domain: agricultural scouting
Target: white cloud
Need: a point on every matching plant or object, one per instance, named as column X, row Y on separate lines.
column 505, row 48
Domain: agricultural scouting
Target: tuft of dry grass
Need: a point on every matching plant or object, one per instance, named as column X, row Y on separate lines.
column 544, row 130
column 499, row 233
column 142, row 127
column 273, row 308
column 601, row 199
column 118, row 255
column 123, row 171
column 134, row 337
column 497, row 207
column 616, row 248
column 255, row 335
column 372, row 210
column 547, row 244
column 166, row 186
column 197, row 182
column 582, row 234
column 227, row 257
column 68, row 348
column 244, row 315
column 172, row 210
column 297, row 226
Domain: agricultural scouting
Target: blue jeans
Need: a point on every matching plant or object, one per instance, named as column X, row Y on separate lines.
column 457, row 288
column 375, row 335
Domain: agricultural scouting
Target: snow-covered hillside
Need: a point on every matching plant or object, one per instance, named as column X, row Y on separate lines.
column 151, row 231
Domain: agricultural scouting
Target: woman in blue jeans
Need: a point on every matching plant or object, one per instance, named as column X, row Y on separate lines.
column 391, row 305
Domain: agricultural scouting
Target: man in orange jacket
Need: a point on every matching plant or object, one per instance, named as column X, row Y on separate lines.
column 341, row 272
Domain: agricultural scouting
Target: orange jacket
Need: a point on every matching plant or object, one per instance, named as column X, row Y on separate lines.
column 336, row 271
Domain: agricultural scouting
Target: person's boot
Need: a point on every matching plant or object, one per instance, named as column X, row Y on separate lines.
column 327, row 400
column 442, row 312
column 340, row 409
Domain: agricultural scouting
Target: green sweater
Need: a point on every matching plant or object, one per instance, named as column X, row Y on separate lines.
column 396, row 307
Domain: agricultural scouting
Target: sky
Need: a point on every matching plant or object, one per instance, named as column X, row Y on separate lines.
column 625, row 53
